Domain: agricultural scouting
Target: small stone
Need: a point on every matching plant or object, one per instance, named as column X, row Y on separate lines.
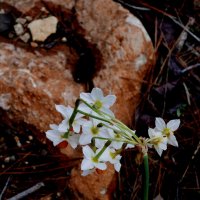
column 25, row 37
column 42, row 28
column 7, row 160
column 21, row 20
column 34, row 44
column 17, row 141
column 5, row 99
column 2, row 11
column 11, row 35
column 29, row 18
column 43, row 9
column 30, row 137
column 18, row 29
column 64, row 39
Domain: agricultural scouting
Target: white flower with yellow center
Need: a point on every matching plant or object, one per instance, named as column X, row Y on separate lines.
column 157, row 140
column 90, row 161
column 67, row 113
column 110, row 155
column 97, row 100
column 57, row 137
column 90, row 129
column 168, row 129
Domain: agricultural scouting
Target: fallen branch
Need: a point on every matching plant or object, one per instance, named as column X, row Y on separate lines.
column 5, row 187
column 28, row 191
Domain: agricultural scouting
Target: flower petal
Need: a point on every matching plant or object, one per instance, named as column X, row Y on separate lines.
column 159, row 151
column 88, row 152
column 101, row 166
column 96, row 94
column 86, row 165
column 64, row 126
column 73, row 140
column 85, row 139
column 109, row 100
column 172, row 140
column 62, row 109
column 117, row 166
column 173, row 124
column 160, row 124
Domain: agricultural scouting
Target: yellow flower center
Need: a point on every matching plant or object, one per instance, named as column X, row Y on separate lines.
column 98, row 104
column 113, row 155
column 166, row 131
column 95, row 130
column 94, row 159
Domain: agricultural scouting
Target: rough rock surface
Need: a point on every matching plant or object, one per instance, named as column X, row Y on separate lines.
column 32, row 80
column 126, row 48
column 43, row 28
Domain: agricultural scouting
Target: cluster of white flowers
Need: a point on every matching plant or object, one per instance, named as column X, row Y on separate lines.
column 93, row 125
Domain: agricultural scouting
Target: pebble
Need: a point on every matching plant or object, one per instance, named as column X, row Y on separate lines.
column 9, row 159
column 18, row 29
column 17, row 141
column 21, row 20
column 25, row 37
column 29, row 18
column 30, row 137
column 42, row 28
column 34, row 44
column 64, row 39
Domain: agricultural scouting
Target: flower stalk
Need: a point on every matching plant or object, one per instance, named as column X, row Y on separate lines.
column 146, row 177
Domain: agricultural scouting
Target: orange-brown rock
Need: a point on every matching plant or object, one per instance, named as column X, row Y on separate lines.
column 33, row 80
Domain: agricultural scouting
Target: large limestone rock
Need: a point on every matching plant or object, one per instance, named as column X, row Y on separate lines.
column 33, row 80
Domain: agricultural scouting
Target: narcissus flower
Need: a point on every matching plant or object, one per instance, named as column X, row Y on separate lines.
column 111, row 155
column 158, row 141
column 57, row 137
column 67, row 113
column 168, row 129
column 90, row 129
column 90, row 161
column 97, row 100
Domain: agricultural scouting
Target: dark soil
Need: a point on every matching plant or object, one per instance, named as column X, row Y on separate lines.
column 172, row 91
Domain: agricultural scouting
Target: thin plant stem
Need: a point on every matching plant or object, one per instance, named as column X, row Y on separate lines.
column 146, row 177
column 93, row 116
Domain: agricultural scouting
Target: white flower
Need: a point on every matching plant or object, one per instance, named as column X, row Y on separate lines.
column 157, row 140
column 110, row 155
column 113, row 135
column 67, row 113
column 168, row 129
column 57, row 137
column 90, row 161
column 90, row 129
column 98, row 101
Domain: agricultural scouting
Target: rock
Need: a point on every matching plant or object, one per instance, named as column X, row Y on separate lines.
column 42, row 28
column 18, row 29
column 5, row 98
column 25, row 37
column 37, row 79
column 98, row 185
column 126, row 48
column 21, row 20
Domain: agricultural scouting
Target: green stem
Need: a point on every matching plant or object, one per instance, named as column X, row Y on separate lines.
column 146, row 177
column 71, row 119
column 102, row 150
column 115, row 140
column 93, row 116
